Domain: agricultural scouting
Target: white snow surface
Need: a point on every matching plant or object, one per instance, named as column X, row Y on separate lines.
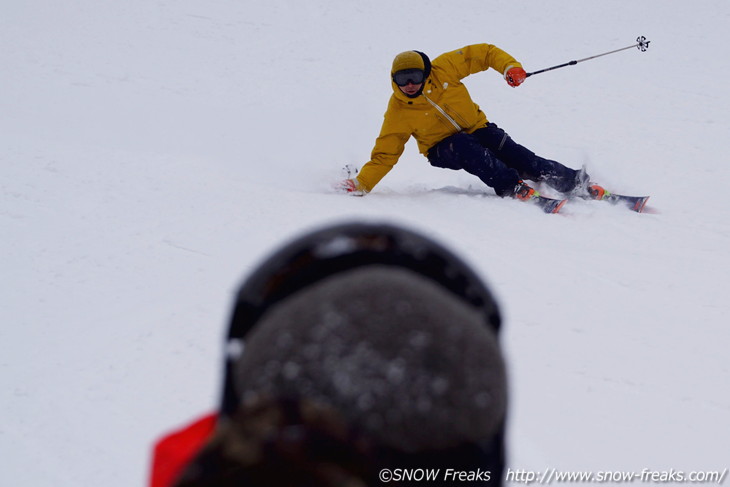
column 154, row 152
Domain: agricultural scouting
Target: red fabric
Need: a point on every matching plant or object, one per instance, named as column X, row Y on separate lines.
column 175, row 450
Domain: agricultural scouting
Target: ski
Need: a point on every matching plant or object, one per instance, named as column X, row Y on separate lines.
column 548, row 205
column 596, row 193
column 634, row 203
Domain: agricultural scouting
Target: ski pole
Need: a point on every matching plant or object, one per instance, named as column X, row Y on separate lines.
column 641, row 43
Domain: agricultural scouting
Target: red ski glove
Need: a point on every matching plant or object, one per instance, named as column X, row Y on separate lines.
column 515, row 76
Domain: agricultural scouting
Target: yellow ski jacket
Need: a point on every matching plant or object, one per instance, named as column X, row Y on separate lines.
column 443, row 109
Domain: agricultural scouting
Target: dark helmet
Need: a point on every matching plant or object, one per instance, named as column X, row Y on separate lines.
column 374, row 340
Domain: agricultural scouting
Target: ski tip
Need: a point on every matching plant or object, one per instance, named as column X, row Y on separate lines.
column 548, row 205
column 552, row 206
column 640, row 204
column 559, row 206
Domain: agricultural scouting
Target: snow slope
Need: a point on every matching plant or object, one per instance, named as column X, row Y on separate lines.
column 153, row 152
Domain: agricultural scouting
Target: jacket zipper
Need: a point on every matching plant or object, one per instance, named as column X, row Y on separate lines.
column 443, row 112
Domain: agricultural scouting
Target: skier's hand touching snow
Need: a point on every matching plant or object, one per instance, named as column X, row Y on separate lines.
column 350, row 186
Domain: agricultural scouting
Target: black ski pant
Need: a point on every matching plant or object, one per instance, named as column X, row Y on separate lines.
column 490, row 154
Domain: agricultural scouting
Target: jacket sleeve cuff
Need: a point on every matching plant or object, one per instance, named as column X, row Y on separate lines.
column 510, row 66
column 360, row 186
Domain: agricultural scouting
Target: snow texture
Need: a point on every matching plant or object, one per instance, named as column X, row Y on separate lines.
column 154, row 152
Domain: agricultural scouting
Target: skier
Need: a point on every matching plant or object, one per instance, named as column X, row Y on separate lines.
column 367, row 347
column 431, row 104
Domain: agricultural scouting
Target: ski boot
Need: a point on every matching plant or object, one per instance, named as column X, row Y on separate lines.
column 525, row 192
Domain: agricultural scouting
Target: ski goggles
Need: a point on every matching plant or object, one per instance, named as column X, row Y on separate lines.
column 405, row 76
